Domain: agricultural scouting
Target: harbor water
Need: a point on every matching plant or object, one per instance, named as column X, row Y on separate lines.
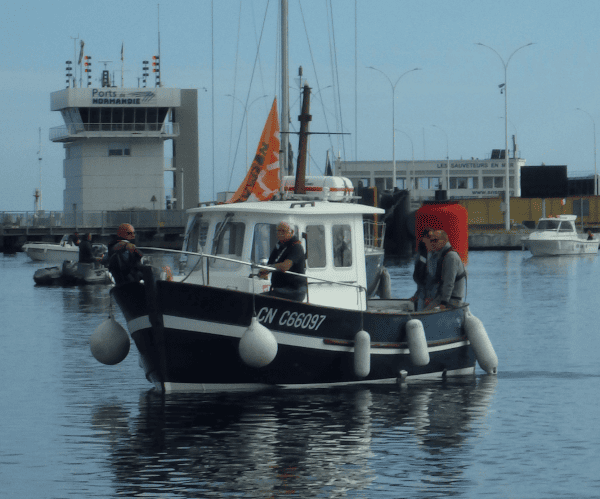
column 73, row 428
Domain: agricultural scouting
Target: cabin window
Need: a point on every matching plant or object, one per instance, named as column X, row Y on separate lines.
column 264, row 240
column 315, row 246
column 342, row 246
column 566, row 227
column 198, row 231
column 229, row 243
column 547, row 225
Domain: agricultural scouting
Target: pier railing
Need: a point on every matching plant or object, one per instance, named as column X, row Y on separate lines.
column 65, row 222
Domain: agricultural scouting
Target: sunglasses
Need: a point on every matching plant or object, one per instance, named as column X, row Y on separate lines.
column 433, row 240
column 131, row 233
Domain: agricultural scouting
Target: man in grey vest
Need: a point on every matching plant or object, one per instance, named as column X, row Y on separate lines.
column 441, row 276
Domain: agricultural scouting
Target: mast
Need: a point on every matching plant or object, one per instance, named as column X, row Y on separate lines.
column 38, row 192
column 285, row 96
column 305, row 118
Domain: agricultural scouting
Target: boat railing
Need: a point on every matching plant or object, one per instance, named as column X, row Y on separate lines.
column 155, row 259
column 374, row 234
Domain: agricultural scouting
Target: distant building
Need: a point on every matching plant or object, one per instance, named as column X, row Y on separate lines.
column 581, row 186
column 472, row 178
column 114, row 147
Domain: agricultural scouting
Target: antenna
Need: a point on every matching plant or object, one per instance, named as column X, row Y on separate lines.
column 75, row 58
column 105, row 74
column 38, row 192
column 158, row 26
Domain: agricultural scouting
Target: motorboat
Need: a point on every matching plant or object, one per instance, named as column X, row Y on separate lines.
column 201, row 322
column 558, row 236
column 73, row 274
column 65, row 250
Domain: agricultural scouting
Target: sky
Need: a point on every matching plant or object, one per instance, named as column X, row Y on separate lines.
column 451, row 105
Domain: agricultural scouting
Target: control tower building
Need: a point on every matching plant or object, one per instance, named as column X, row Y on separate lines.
column 114, row 141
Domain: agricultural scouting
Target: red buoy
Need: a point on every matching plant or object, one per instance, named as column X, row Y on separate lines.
column 450, row 217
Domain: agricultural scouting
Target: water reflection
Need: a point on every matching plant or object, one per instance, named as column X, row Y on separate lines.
column 309, row 443
column 88, row 299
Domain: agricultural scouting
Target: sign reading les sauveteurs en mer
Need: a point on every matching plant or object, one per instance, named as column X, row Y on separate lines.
column 474, row 165
column 116, row 97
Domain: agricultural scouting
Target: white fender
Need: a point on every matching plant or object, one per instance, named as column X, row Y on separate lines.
column 417, row 343
column 384, row 289
column 110, row 342
column 258, row 346
column 482, row 346
column 362, row 354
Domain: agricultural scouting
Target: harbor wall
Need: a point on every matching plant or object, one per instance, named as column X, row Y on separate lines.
column 488, row 212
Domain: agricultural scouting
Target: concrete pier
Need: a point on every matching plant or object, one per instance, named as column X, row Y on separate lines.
column 496, row 239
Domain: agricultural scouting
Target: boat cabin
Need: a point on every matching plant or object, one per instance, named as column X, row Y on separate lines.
column 562, row 223
column 242, row 234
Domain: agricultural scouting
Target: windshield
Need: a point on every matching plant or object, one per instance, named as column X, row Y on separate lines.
column 548, row 225
column 566, row 227
column 228, row 242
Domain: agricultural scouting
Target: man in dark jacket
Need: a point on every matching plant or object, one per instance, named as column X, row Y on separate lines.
column 288, row 255
column 86, row 253
column 123, row 258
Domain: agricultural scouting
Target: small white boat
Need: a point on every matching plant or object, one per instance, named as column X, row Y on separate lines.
column 52, row 253
column 558, row 236
column 66, row 250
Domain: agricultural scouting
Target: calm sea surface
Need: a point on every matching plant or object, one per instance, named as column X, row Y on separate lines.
column 73, row 428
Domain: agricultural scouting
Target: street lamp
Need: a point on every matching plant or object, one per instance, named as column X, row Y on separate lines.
column 516, row 137
column 505, row 89
column 595, row 176
column 447, row 161
column 246, row 109
column 393, row 85
column 413, row 159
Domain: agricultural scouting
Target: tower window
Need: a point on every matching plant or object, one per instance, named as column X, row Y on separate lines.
column 119, row 149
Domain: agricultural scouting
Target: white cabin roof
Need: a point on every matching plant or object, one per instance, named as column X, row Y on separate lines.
column 290, row 208
column 560, row 218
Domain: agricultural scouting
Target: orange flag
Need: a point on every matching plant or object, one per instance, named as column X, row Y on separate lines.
column 262, row 180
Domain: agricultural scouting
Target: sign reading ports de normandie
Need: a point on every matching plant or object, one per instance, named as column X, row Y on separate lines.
column 115, row 97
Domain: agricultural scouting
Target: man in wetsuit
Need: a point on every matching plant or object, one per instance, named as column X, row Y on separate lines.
column 288, row 255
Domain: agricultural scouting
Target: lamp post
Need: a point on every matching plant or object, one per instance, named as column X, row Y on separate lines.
column 393, row 85
column 413, row 159
column 516, row 135
column 246, row 109
column 447, row 161
column 595, row 172
column 505, row 89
